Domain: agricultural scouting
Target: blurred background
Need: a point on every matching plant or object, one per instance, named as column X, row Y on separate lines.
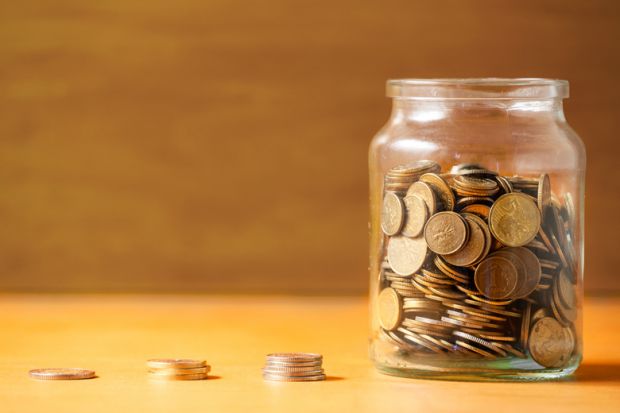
column 221, row 145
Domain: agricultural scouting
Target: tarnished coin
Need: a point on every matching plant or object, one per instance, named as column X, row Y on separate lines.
column 61, row 374
column 442, row 189
column 406, row 255
column 566, row 290
column 550, row 344
column 533, row 272
column 514, row 219
column 390, row 309
column 424, row 191
column 175, row 363
column 446, row 232
column 392, row 214
column 473, row 249
column 544, row 192
column 496, row 277
column 416, row 216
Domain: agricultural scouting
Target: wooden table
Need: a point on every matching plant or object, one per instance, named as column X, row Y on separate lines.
column 114, row 335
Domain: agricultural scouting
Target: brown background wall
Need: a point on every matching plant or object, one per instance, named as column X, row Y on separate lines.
column 220, row 145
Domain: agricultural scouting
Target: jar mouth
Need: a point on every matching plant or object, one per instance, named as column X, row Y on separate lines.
column 491, row 88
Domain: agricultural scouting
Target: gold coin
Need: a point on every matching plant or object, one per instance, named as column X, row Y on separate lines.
column 61, row 374
column 406, row 255
column 426, row 193
column 514, row 219
column 390, row 309
column 392, row 214
column 473, row 249
column 496, row 277
column 446, row 233
column 416, row 216
column 175, row 363
column 566, row 290
column 550, row 344
column 441, row 188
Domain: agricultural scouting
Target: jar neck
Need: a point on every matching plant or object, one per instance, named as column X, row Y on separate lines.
column 428, row 110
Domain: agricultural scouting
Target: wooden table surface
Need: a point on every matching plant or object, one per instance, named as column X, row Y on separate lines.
column 114, row 335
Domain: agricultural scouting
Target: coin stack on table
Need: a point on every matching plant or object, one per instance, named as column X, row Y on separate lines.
column 178, row 369
column 294, row 367
column 477, row 265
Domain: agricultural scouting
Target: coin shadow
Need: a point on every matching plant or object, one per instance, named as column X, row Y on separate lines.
column 598, row 372
column 333, row 378
column 210, row 377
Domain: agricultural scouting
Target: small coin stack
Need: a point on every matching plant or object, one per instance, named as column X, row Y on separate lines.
column 294, row 367
column 477, row 265
column 62, row 374
column 178, row 369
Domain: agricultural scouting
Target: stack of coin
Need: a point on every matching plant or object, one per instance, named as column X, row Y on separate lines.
column 399, row 178
column 477, row 265
column 294, row 367
column 178, row 369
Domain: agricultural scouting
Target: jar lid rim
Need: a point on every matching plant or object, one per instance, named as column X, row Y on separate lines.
column 477, row 88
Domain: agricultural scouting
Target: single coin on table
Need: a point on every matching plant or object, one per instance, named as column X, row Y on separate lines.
column 61, row 374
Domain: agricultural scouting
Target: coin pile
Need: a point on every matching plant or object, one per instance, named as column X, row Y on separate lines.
column 61, row 374
column 294, row 367
column 477, row 265
column 178, row 369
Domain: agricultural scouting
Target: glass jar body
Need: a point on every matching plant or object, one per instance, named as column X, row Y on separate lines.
column 476, row 240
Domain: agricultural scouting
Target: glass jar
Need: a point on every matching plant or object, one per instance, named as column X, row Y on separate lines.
column 476, row 231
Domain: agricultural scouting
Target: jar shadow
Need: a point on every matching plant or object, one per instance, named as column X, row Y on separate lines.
column 598, row 372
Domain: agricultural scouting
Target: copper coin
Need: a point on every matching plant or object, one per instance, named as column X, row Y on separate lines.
column 446, row 233
column 496, row 278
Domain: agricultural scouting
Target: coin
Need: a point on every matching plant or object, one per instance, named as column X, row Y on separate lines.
column 550, row 344
column 271, row 377
column 392, row 215
column 61, row 374
column 424, row 191
column 198, row 376
column 406, row 255
column 416, row 216
column 294, row 357
column 473, row 249
column 496, row 277
column 544, row 192
column 175, row 363
column 446, row 232
column 390, row 309
column 180, row 371
column 514, row 219
column 441, row 188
